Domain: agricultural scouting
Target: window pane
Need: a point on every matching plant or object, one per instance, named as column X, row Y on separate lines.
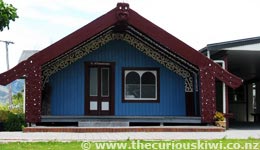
column 132, row 91
column 148, row 78
column 132, row 86
column 148, row 85
column 105, row 106
column 93, row 88
column 132, row 78
column 148, row 91
column 105, row 81
column 93, row 105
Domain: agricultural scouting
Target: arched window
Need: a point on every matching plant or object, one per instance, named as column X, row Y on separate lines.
column 148, row 85
column 132, row 85
column 140, row 84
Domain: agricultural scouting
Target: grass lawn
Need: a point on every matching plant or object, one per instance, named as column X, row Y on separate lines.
column 135, row 144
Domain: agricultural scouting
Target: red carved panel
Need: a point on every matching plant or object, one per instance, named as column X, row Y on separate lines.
column 32, row 74
column 33, row 95
column 122, row 12
column 208, row 95
column 14, row 73
column 224, row 76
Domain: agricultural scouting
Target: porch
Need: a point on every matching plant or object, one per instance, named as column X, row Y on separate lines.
column 124, row 124
column 112, row 121
column 80, row 124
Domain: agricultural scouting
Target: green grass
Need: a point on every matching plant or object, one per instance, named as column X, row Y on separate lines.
column 78, row 145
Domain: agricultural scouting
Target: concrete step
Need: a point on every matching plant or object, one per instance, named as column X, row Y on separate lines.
column 105, row 123
column 164, row 119
column 126, row 129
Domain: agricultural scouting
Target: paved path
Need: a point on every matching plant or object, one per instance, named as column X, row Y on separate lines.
column 20, row 136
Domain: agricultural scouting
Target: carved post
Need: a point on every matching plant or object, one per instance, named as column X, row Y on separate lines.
column 207, row 95
column 33, row 95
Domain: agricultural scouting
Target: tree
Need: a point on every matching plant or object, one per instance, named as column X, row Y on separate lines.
column 18, row 103
column 7, row 14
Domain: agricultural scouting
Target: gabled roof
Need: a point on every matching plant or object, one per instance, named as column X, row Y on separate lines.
column 26, row 54
column 228, row 44
column 120, row 16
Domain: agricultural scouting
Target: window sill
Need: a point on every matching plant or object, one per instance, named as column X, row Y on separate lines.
column 141, row 101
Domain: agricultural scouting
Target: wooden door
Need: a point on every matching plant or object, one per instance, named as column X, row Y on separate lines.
column 99, row 99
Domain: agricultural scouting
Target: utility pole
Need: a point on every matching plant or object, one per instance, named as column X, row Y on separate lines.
column 7, row 63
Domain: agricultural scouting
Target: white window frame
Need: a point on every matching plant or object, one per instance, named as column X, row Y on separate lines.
column 140, row 72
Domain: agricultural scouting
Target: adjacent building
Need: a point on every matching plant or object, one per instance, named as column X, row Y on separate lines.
column 240, row 57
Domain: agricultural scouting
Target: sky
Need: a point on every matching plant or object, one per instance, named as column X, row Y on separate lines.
column 195, row 22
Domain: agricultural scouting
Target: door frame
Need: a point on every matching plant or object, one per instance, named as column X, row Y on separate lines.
column 111, row 65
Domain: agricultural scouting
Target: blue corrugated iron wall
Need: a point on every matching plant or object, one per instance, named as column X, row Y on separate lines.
column 68, row 85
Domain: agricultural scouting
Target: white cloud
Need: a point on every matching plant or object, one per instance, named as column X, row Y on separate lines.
column 91, row 6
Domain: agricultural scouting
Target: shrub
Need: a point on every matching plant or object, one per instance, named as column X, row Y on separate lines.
column 17, row 106
column 12, row 118
column 219, row 116
column 4, row 107
column 3, row 118
column 15, row 122
column 4, row 115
